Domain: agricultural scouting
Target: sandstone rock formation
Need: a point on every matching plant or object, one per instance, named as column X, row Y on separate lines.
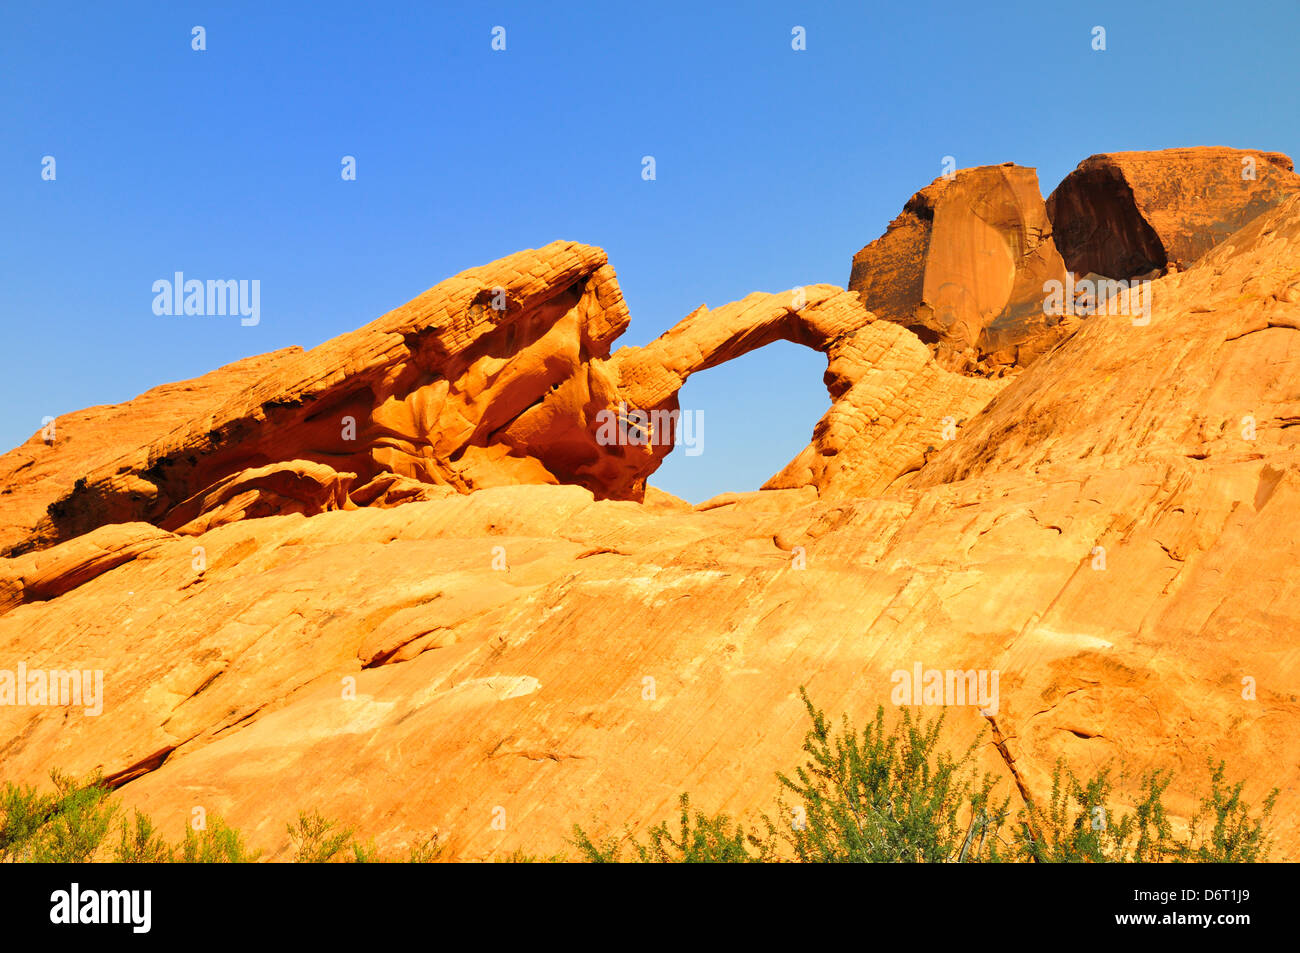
column 298, row 486
column 486, row 379
column 892, row 406
column 284, row 621
column 1125, row 214
column 501, row 375
column 963, row 266
column 891, row 403
column 47, row 466
column 1212, row 362
column 41, row 576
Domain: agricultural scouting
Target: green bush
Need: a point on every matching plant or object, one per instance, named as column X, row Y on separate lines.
column 23, row 812
column 700, row 840
column 217, row 843
column 1079, row 826
column 521, row 856
column 886, row 796
column 67, row 826
column 1223, row 830
column 140, row 843
column 314, row 844
column 82, row 819
column 426, row 850
column 892, row 794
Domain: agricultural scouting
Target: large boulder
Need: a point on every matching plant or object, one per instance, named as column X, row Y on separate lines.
column 963, row 267
column 1210, row 377
column 50, row 573
column 293, row 486
column 1126, row 214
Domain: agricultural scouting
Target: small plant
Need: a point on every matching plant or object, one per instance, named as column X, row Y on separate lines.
column 76, row 820
column 217, row 843
column 313, row 841
column 1079, row 827
column 1223, row 829
column 23, row 812
column 520, row 856
column 700, row 840
column 887, row 795
column 140, row 843
column 426, row 850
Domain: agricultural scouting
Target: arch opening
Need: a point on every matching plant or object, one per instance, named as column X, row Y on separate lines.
column 757, row 413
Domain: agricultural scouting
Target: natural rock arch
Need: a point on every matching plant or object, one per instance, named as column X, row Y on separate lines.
column 451, row 394
column 890, row 401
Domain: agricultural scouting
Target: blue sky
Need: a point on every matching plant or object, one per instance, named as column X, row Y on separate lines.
column 773, row 166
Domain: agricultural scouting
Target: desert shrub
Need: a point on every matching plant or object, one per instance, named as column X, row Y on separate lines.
column 426, row 850
column 521, row 856
column 1078, row 825
column 140, row 843
column 23, row 812
column 82, row 819
column 366, row 853
column 1224, row 830
column 886, row 795
column 892, row 793
column 700, row 839
column 217, row 843
column 66, row 826
column 317, row 840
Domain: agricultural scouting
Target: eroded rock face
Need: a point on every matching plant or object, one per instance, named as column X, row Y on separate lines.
column 41, row 576
column 1125, row 214
column 1214, row 362
column 296, row 486
column 963, row 266
column 489, row 378
column 47, row 467
column 1114, row 533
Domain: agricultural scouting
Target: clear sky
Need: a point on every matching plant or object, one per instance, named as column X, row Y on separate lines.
column 773, row 165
